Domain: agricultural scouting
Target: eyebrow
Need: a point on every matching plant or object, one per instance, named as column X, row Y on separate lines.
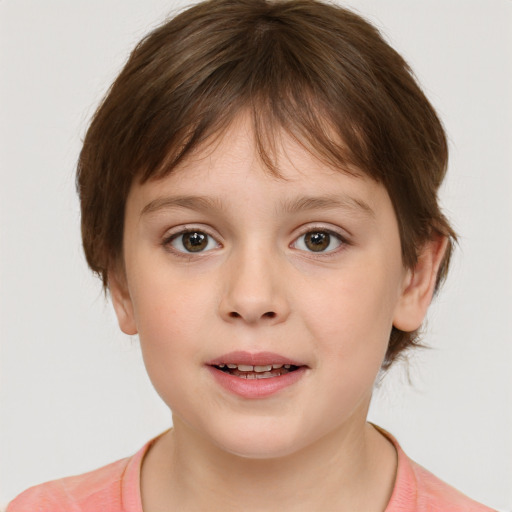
column 199, row 203
column 328, row 202
column 202, row 203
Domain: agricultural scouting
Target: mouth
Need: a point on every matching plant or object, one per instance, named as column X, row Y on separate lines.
column 247, row 371
column 256, row 375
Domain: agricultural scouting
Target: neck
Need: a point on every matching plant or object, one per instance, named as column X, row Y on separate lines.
column 350, row 469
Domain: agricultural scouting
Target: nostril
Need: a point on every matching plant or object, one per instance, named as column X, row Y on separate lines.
column 268, row 314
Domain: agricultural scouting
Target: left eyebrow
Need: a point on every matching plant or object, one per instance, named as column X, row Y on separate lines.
column 329, row 202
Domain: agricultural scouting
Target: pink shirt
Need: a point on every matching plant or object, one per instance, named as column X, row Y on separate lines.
column 116, row 488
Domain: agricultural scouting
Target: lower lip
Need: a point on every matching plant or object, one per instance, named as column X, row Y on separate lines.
column 256, row 388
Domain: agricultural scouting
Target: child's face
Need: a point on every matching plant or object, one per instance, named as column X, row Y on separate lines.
column 307, row 268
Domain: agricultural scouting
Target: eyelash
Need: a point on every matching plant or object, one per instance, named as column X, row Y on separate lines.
column 341, row 240
column 168, row 242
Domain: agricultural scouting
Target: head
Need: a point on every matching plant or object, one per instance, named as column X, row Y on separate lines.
column 317, row 73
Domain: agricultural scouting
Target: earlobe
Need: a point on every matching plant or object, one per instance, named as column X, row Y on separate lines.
column 122, row 302
column 419, row 286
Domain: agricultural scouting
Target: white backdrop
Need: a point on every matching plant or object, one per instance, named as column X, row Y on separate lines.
column 73, row 391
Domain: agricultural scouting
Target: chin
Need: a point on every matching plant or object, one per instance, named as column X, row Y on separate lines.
column 262, row 450
column 261, row 441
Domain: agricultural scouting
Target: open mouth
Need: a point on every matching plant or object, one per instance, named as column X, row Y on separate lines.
column 256, row 375
column 267, row 371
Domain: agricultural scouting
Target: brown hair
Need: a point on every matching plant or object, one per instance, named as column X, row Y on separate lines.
column 318, row 71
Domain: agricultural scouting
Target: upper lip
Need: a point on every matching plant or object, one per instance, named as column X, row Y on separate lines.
column 253, row 359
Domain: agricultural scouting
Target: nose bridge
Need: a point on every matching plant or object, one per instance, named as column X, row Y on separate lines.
column 254, row 288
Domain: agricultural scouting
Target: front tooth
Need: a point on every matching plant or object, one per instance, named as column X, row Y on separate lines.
column 264, row 368
column 245, row 368
column 231, row 366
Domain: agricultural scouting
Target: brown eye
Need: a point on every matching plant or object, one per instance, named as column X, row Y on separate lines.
column 318, row 241
column 193, row 241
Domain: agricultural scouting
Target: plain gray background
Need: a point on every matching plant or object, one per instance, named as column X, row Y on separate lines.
column 74, row 395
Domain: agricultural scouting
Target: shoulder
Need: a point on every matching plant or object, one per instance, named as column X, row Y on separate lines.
column 418, row 489
column 99, row 488
column 112, row 488
column 434, row 494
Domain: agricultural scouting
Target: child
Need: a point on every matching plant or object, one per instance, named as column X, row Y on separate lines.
column 259, row 196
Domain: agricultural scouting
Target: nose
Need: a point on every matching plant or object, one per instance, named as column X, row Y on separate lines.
column 254, row 289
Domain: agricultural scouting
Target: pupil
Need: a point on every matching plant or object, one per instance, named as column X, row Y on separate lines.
column 317, row 241
column 194, row 242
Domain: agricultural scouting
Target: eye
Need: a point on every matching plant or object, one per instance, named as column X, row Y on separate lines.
column 193, row 241
column 318, row 241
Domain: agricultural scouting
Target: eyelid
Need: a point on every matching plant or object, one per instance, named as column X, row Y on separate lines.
column 333, row 230
column 343, row 239
column 175, row 233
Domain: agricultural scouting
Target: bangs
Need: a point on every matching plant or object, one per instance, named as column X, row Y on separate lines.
column 270, row 84
column 310, row 129
column 293, row 67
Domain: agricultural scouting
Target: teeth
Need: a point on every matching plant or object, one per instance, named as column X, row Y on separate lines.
column 256, row 368
column 257, row 376
column 265, row 368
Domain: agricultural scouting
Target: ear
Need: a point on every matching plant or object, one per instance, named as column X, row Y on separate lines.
column 122, row 301
column 419, row 285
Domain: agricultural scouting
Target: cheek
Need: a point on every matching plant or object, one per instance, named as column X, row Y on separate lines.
column 172, row 314
column 167, row 306
column 351, row 316
column 162, row 320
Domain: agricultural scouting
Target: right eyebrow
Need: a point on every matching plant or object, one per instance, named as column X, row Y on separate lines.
column 198, row 203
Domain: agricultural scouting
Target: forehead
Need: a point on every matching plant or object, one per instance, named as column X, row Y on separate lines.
column 272, row 150
column 229, row 171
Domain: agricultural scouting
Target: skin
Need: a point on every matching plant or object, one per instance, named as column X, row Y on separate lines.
column 257, row 286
